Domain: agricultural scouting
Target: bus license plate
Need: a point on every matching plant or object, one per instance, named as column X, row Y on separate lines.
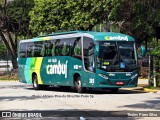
column 120, row 83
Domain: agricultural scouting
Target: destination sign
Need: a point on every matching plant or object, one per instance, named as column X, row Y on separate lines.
column 116, row 38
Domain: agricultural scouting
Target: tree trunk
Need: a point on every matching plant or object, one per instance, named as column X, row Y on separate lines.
column 11, row 49
column 14, row 62
column 146, row 44
column 90, row 27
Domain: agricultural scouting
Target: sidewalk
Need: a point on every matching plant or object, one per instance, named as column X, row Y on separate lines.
column 141, row 84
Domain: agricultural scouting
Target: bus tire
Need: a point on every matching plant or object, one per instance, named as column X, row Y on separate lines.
column 114, row 90
column 78, row 85
column 36, row 86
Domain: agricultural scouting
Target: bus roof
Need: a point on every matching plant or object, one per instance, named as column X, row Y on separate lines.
column 111, row 36
column 97, row 35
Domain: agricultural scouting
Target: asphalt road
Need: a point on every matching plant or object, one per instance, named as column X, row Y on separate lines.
column 67, row 104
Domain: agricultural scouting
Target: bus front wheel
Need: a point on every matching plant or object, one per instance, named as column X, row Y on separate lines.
column 78, row 85
column 36, row 86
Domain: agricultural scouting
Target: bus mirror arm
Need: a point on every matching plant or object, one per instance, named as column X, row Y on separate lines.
column 92, row 44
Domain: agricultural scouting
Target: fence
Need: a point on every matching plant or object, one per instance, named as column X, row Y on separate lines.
column 5, row 67
column 7, row 72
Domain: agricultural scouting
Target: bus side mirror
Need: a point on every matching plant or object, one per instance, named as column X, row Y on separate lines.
column 143, row 50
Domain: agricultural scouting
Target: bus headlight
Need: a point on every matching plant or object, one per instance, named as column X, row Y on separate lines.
column 103, row 76
column 133, row 76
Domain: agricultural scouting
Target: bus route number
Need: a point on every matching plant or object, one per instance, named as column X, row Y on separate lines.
column 91, row 80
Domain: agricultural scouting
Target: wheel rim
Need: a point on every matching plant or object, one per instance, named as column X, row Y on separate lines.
column 78, row 84
column 35, row 82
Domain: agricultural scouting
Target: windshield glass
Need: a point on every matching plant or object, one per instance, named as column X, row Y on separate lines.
column 117, row 56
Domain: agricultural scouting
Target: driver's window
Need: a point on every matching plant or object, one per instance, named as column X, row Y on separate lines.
column 88, row 52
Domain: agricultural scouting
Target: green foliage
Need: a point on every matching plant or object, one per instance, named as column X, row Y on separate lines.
column 65, row 49
column 47, row 15
column 62, row 15
column 42, row 51
column 87, row 13
column 1, row 2
column 77, row 50
column 6, row 77
column 136, row 18
column 156, row 50
column 18, row 11
column 53, row 50
column 2, row 51
column 156, row 53
column 14, row 22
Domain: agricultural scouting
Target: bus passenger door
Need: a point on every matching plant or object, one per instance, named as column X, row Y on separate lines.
column 88, row 61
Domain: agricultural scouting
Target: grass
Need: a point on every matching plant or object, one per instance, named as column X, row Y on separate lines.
column 152, row 87
column 8, row 77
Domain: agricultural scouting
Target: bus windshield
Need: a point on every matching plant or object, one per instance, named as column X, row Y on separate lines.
column 117, row 56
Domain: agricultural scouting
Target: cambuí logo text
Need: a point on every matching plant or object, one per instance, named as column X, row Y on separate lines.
column 116, row 38
column 59, row 68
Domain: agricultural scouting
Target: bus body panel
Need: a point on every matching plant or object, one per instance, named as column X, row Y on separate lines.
column 60, row 70
column 109, row 79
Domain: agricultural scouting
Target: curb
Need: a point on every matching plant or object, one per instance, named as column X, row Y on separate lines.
column 150, row 90
column 141, row 89
column 134, row 88
column 143, row 79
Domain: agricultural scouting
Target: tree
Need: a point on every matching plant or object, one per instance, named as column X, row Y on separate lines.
column 48, row 16
column 14, row 21
column 63, row 15
column 137, row 18
column 2, row 51
column 88, row 13
column 156, row 54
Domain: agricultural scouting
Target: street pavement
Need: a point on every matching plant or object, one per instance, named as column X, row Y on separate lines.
column 92, row 105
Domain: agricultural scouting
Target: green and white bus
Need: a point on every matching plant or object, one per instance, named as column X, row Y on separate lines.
column 79, row 59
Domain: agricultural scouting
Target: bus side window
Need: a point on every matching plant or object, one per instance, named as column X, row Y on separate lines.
column 38, row 47
column 29, row 50
column 66, row 47
column 48, row 48
column 42, row 51
column 57, row 50
column 32, row 50
column 26, row 48
column 53, row 47
column 62, row 47
column 22, row 50
column 77, row 48
column 88, row 50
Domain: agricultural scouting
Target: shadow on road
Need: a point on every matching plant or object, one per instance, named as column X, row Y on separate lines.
column 89, row 91
column 18, row 98
column 57, row 89
column 149, row 104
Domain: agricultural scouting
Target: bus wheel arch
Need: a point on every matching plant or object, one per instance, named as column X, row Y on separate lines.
column 78, row 83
